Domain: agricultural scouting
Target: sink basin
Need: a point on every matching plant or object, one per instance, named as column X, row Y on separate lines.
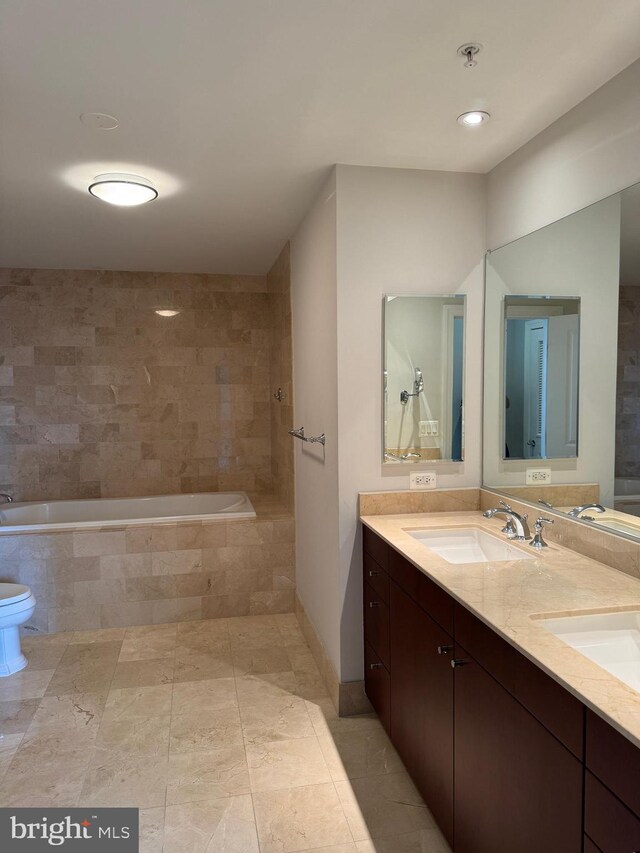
column 612, row 640
column 620, row 526
column 469, row 545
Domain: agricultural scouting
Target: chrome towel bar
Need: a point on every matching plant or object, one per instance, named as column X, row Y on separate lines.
column 299, row 433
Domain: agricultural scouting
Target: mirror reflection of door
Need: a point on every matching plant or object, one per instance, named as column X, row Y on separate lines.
column 541, row 378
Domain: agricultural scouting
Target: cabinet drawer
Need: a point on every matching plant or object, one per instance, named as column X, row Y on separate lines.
column 376, row 577
column 589, row 846
column 377, row 684
column 432, row 598
column 376, row 547
column 560, row 712
column 609, row 823
column 376, row 624
column 614, row 760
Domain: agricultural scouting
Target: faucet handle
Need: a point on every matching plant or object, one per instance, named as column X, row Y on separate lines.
column 505, row 505
column 543, row 520
column 537, row 541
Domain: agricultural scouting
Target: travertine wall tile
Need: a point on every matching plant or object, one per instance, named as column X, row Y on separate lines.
column 101, row 397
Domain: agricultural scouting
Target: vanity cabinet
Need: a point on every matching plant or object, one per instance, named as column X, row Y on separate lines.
column 422, row 703
column 504, row 756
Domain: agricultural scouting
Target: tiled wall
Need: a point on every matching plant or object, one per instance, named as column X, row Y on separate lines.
column 153, row 574
column 281, row 377
column 100, row 396
column 628, row 396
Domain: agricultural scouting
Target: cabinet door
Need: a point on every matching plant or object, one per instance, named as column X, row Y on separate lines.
column 376, row 684
column 422, row 703
column 611, row 825
column 516, row 787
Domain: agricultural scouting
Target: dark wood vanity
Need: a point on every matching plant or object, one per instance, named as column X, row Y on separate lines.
column 506, row 759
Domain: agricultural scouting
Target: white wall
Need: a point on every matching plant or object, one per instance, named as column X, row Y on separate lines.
column 399, row 231
column 577, row 256
column 587, row 154
column 314, row 313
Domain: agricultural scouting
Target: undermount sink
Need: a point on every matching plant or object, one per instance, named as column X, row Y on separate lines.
column 612, row 640
column 620, row 526
column 469, row 545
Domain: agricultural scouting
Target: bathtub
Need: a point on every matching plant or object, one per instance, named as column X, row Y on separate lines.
column 35, row 516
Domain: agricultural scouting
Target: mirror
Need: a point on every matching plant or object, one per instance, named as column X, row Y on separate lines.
column 582, row 275
column 540, row 374
column 423, row 376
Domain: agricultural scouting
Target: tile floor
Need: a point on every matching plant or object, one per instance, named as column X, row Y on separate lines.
column 220, row 731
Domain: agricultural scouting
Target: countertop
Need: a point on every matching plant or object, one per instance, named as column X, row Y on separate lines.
column 506, row 595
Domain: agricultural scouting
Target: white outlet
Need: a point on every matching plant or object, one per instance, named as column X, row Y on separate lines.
column 422, row 480
column 538, row 476
column 427, row 428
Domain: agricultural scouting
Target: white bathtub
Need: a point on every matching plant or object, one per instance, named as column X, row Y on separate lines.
column 120, row 512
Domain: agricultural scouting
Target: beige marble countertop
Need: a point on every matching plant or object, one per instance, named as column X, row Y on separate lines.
column 506, row 595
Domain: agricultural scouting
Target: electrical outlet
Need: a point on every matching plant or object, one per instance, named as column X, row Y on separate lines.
column 427, row 428
column 538, row 476
column 422, row 480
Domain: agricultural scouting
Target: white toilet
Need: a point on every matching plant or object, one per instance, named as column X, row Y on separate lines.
column 17, row 604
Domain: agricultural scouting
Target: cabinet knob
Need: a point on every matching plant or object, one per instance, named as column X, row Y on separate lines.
column 375, row 603
column 373, row 573
column 444, row 650
column 375, row 666
column 459, row 662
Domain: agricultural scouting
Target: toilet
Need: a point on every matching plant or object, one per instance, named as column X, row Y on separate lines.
column 17, row 604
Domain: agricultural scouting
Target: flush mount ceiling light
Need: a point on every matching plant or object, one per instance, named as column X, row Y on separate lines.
column 474, row 118
column 167, row 312
column 122, row 189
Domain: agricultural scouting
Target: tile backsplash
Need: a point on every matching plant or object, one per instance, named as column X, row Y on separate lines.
column 100, row 396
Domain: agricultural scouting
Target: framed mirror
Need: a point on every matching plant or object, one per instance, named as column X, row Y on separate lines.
column 581, row 274
column 423, row 378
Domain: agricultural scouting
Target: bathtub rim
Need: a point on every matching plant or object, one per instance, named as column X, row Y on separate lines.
column 125, row 523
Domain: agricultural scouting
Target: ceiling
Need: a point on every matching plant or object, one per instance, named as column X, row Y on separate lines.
column 238, row 108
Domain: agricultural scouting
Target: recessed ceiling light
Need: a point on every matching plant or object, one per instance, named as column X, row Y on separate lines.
column 123, row 190
column 473, row 118
column 167, row 312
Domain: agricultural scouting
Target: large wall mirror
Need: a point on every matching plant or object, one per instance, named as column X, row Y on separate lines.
column 562, row 365
column 423, row 375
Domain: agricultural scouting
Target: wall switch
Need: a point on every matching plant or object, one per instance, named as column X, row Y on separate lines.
column 422, row 480
column 538, row 476
column 426, row 428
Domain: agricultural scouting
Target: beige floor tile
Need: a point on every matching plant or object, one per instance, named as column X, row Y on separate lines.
column 254, row 632
column 101, row 635
column 300, row 819
column 196, row 731
column 211, row 826
column 90, row 654
column 143, row 673
column 139, row 631
column 309, row 686
column 196, row 776
column 120, row 779
column 354, row 754
column 148, row 647
column 53, row 747
column 202, row 643
column 256, row 688
column 131, row 702
column 44, row 656
column 71, row 712
column 421, row 841
column 259, row 661
column 286, row 764
column 8, row 747
column 87, row 677
column 213, row 694
column 206, row 628
column 383, row 806
column 151, row 830
column 25, row 685
column 135, row 735
column 16, row 716
column 45, row 789
column 199, row 666
column 281, row 718
column 335, row 848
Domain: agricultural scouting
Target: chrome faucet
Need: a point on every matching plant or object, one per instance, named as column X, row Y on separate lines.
column 7, row 497
column 578, row 510
column 520, row 527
